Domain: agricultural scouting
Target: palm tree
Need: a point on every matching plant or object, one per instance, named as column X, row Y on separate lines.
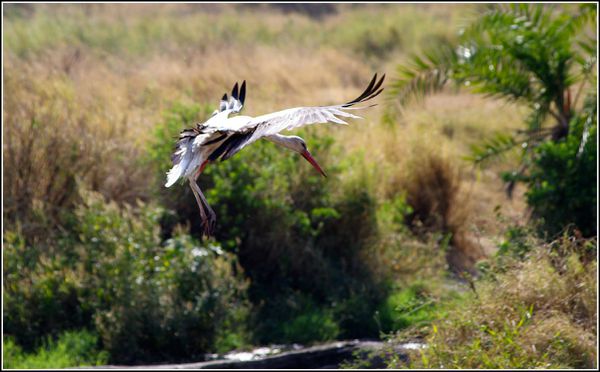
column 541, row 56
column 538, row 55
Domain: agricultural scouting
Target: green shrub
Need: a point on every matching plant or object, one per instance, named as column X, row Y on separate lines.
column 409, row 307
column 153, row 301
column 41, row 292
column 71, row 349
column 311, row 324
column 563, row 183
column 290, row 228
column 517, row 243
column 314, row 326
column 148, row 300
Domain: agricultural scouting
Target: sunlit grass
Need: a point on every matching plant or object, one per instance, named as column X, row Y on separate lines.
column 535, row 313
column 72, row 349
column 137, row 29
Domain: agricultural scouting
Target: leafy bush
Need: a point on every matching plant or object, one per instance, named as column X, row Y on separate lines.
column 409, row 307
column 71, row 349
column 310, row 324
column 562, row 182
column 148, row 301
column 289, row 228
column 41, row 292
column 518, row 243
column 310, row 327
column 153, row 302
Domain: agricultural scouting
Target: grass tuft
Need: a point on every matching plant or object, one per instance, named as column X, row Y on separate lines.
column 71, row 349
column 538, row 313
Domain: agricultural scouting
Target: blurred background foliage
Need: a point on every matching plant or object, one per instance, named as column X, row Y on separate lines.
column 102, row 264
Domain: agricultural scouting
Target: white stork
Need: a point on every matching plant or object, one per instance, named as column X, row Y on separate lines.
column 222, row 136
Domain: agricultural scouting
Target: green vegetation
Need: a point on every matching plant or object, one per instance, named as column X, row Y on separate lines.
column 148, row 299
column 402, row 241
column 410, row 307
column 312, row 325
column 562, row 182
column 71, row 349
column 534, row 303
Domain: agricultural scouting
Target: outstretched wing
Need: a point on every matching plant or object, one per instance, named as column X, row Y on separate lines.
column 270, row 124
column 299, row 116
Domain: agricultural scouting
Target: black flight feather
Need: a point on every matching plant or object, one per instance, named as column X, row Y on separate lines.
column 234, row 91
column 369, row 93
column 231, row 145
column 223, row 135
column 243, row 92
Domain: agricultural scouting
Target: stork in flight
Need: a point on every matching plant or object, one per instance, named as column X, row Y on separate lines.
column 223, row 135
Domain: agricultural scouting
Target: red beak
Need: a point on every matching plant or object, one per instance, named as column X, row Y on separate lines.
column 312, row 161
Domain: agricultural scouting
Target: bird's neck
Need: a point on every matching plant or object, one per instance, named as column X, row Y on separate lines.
column 281, row 140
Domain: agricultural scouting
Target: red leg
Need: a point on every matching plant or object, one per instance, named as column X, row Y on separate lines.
column 201, row 169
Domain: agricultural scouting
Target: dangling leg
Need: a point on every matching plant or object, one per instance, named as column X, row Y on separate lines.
column 212, row 216
column 193, row 186
column 208, row 222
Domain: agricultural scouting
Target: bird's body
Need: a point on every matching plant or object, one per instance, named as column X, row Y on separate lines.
column 223, row 135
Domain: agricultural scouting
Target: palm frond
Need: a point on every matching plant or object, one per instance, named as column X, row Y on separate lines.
column 491, row 148
column 575, row 23
column 424, row 74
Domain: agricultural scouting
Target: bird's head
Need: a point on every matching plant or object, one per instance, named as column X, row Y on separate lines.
column 306, row 154
column 298, row 145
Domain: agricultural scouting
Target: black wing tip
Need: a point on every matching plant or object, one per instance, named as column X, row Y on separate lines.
column 370, row 92
column 224, row 98
column 234, row 91
column 243, row 92
column 374, row 95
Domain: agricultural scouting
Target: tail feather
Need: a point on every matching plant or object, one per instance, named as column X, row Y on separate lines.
column 181, row 157
column 174, row 174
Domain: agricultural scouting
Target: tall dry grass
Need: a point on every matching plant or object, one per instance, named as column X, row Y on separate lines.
column 537, row 313
column 95, row 79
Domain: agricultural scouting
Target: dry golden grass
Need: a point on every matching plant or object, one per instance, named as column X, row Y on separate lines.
column 101, row 90
column 538, row 313
column 106, row 112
